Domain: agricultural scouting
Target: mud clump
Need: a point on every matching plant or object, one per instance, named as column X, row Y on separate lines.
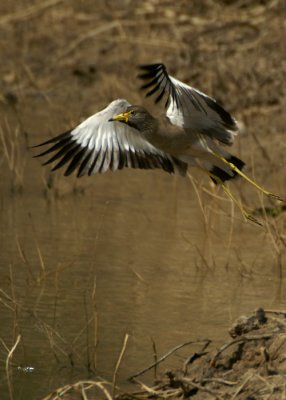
column 250, row 366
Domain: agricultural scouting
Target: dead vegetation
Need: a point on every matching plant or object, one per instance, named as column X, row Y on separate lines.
column 231, row 50
column 250, row 366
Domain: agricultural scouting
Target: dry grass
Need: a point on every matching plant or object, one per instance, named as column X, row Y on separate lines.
column 250, row 364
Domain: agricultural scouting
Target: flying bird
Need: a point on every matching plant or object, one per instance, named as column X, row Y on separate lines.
column 190, row 133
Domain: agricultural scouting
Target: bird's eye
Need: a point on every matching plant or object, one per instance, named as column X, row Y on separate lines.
column 132, row 112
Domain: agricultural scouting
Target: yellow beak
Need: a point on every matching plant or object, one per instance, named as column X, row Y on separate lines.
column 121, row 117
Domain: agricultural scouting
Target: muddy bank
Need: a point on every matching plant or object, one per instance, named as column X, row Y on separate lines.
column 250, row 365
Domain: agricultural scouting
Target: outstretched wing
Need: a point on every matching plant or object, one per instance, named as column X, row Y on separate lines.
column 188, row 107
column 98, row 145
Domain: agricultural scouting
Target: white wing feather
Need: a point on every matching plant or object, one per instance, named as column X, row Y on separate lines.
column 189, row 108
column 98, row 144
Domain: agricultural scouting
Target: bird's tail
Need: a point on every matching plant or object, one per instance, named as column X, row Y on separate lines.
column 219, row 173
column 219, row 165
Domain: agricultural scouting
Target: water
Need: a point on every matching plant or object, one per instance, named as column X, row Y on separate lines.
column 129, row 253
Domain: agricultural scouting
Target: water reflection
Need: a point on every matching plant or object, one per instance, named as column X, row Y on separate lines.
column 131, row 254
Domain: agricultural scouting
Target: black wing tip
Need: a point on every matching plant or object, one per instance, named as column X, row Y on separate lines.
column 57, row 138
column 151, row 67
column 155, row 75
column 226, row 117
column 150, row 70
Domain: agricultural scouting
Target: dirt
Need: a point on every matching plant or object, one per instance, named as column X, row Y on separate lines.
column 62, row 61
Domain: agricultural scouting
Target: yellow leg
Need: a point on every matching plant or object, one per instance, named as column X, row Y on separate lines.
column 238, row 171
column 232, row 197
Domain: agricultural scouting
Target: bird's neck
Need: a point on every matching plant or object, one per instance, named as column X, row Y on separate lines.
column 150, row 128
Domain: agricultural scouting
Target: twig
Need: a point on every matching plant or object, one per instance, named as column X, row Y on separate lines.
column 199, row 387
column 155, row 357
column 242, row 386
column 164, row 358
column 270, row 387
column 83, row 386
column 83, row 394
column 117, row 365
column 195, row 356
column 239, row 340
column 157, row 392
column 146, row 388
column 105, row 391
column 218, row 380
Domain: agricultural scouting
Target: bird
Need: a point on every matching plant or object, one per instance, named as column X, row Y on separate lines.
column 193, row 131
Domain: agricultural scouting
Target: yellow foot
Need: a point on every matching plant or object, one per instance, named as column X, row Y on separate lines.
column 233, row 198
column 239, row 172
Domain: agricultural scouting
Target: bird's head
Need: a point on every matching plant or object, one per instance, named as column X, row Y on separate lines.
column 137, row 117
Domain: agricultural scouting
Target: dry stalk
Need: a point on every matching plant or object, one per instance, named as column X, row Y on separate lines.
column 139, row 276
column 83, row 394
column 151, row 391
column 118, row 362
column 13, row 295
column 155, row 357
column 203, row 258
column 199, row 387
column 52, row 335
column 56, row 296
column 95, row 323
column 218, row 380
column 24, row 258
column 6, row 305
column 91, row 358
column 83, row 386
column 8, row 299
column 42, row 263
column 194, row 184
column 8, row 372
column 86, row 330
column 247, row 379
column 270, row 387
column 163, row 358
column 14, row 158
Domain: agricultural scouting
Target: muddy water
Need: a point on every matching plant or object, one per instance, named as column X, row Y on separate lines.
column 129, row 252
